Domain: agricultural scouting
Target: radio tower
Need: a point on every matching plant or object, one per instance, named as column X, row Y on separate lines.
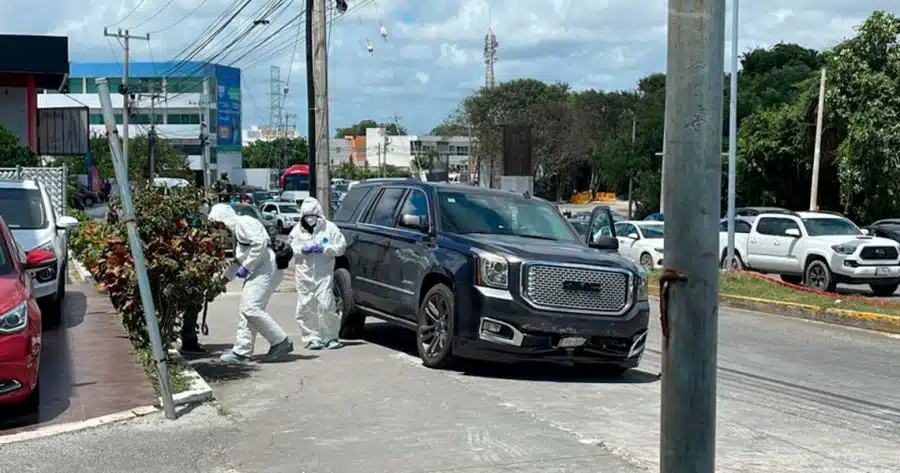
column 276, row 100
column 490, row 57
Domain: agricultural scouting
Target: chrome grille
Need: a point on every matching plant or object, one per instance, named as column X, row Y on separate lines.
column 576, row 288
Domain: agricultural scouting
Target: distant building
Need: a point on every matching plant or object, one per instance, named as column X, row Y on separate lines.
column 264, row 133
column 401, row 151
column 172, row 96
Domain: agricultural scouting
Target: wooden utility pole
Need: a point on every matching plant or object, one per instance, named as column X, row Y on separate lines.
column 126, row 38
column 321, row 158
column 817, row 151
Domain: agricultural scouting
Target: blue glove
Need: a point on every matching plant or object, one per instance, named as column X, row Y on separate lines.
column 242, row 272
column 317, row 249
column 308, row 248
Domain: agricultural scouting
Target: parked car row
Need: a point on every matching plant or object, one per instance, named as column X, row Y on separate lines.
column 33, row 273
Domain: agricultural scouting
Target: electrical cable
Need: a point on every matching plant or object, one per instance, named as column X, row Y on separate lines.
column 178, row 21
column 152, row 16
column 209, row 33
column 131, row 12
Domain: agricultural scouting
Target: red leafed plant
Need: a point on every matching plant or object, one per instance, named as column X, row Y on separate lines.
column 184, row 257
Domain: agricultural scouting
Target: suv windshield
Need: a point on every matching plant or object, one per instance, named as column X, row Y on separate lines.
column 464, row 212
column 245, row 210
column 830, row 226
column 23, row 209
column 288, row 208
column 652, row 230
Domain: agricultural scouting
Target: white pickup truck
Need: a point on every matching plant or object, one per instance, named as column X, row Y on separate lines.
column 817, row 249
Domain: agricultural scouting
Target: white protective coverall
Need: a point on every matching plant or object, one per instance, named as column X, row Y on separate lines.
column 314, row 273
column 253, row 253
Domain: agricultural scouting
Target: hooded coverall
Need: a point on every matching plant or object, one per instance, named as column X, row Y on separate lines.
column 253, row 253
column 314, row 274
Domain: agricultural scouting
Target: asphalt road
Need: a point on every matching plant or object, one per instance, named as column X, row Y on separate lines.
column 793, row 396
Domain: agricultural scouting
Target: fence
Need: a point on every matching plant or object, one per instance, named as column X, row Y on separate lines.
column 53, row 180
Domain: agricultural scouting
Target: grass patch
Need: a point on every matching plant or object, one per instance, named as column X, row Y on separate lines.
column 179, row 382
column 745, row 285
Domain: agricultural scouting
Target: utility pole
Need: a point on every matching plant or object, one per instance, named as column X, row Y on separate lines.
column 126, row 38
column 690, row 283
column 817, row 151
column 631, row 178
column 204, row 134
column 151, row 139
column 311, row 95
column 732, row 135
column 322, row 160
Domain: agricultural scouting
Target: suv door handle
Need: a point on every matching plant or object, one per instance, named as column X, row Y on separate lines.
column 776, row 243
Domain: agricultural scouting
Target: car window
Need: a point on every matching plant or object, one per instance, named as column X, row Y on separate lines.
column 269, row 208
column 288, row 208
column 383, row 211
column 245, row 210
column 601, row 227
column 416, row 204
column 620, row 229
column 652, row 230
column 775, row 226
column 501, row 214
column 23, row 209
column 352, row 200
column 740, row 227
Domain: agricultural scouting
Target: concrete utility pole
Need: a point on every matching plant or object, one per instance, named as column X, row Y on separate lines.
column 204, row 134
column 151, row 136
column 690, row 283
column 137, row 251
column 311, row 95
column 631, row 178
column 817, row 151
column 320, row 79
column 732, row 135
column 126, row 38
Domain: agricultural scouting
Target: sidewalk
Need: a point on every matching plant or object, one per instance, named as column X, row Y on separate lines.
column 286, row 285
column 87, row 366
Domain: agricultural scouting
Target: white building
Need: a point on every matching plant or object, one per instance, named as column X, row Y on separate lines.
column 171, row 96
column 400, row 151
column 264, row 133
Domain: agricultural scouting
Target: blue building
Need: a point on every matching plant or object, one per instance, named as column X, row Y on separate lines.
column 173, row 97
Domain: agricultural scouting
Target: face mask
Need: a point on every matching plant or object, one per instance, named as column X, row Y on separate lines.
column 309, row 222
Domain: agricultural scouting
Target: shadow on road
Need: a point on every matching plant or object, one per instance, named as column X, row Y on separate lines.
column 402, row 340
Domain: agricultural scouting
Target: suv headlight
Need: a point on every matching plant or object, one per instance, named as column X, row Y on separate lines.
column 14, row 320
column 491, row 270
column 641, row 279
column 46, row 247
column 843, row 249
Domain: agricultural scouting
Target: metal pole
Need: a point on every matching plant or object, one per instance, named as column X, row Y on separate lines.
column 311, row 98
column 320, row 68
column 732, row 133
column 817, row 152
column 696, row 53
column 631, row 178
column 151, row 138
column 662, row 174
column 137, row 252
column 204, row 134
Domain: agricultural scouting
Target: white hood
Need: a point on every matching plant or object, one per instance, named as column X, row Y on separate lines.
column 31, row 239
column 850, row 240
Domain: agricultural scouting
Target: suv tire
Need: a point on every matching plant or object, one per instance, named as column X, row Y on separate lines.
column 818, row 276
column 353, row 323
column 436, row 324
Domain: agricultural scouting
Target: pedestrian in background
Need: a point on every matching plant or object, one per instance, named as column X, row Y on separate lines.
column 258, row 270
column 316, row 243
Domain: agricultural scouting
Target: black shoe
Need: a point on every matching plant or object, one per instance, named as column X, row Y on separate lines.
column 192, row 348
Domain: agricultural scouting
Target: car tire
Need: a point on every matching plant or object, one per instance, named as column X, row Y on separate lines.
column 737, row 264
column 353, row 323
column 52, row 307
column 646, row 261
column 32, row 404
column 818, row 276
column 436, row 314
column 884, row 290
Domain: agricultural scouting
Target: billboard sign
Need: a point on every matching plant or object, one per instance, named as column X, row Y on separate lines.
column 63, row 131
column 228, row 109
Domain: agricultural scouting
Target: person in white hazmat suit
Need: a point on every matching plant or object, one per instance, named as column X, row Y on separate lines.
column 316, row 243
column 258, row 271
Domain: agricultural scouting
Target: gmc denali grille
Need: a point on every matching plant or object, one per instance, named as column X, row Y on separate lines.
column 878, row 253
column 576, row 289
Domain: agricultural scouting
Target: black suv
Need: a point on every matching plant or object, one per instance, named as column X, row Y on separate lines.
column 487, row 274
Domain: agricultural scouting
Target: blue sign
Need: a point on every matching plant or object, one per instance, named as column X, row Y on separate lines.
column 228, row 109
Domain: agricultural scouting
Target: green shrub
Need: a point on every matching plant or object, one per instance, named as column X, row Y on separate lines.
column 183, row 259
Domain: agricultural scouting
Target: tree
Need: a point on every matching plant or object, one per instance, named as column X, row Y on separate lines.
column 13, row 154
column 271, row 154
column 359, row 129
column 170, row 162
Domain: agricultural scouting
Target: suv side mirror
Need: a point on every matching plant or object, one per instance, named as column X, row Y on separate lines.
column 66, row 223
column 605, row 243
column 634, row 236
column 792, row 232
column 415, row 222
column 865, row 231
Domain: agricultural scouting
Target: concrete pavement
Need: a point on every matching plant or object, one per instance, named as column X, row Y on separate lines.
column 793, row 396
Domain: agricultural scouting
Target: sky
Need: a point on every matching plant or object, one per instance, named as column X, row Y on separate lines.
column 432, row 57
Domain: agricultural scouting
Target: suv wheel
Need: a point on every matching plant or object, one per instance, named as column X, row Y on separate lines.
column 646, row 261
column 353, row 323
column 434, row 334
column 819, row 277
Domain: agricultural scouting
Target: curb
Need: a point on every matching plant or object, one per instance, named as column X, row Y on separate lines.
column 850, row 318
column 200, row 391
column 52, row 430
column 82, row 271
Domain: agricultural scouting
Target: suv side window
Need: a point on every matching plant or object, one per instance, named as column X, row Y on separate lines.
column 382, row 212
column 620, row 228
column 355, row 196
column 416, row 204
column 740, row 227
column 775, row 226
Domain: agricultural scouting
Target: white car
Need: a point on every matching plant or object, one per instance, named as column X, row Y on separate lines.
column 29, row 214
column 641, row 242
column 284, row 214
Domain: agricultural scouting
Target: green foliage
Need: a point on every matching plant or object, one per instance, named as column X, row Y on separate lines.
column 353, row 172
column 170, row 162
column 275, row 153
column 359, row 129
column 12, row 153
column 184, row 257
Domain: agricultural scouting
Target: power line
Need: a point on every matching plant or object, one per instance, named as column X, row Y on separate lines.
column 152, row 16
column 134, row 9
column 178, row 21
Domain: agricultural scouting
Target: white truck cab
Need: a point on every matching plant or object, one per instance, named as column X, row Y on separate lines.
column 819, row 250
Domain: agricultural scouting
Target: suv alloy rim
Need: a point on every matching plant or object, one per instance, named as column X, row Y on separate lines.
column 816, row 277
column 434, row 328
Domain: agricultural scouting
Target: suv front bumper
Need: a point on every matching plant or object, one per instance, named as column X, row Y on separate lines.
column 494, row 325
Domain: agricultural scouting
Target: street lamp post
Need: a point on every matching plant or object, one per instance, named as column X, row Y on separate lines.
column 732, row 134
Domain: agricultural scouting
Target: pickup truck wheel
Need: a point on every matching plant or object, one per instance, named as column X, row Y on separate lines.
column 434, row 334
column 353, row 323
column 736, row 264
column 819, row 277
column 884, row 290
column 646, row 261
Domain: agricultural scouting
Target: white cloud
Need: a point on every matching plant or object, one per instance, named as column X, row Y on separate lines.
column 433, row 54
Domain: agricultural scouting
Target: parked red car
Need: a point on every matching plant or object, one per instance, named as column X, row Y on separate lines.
column 20, row 322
